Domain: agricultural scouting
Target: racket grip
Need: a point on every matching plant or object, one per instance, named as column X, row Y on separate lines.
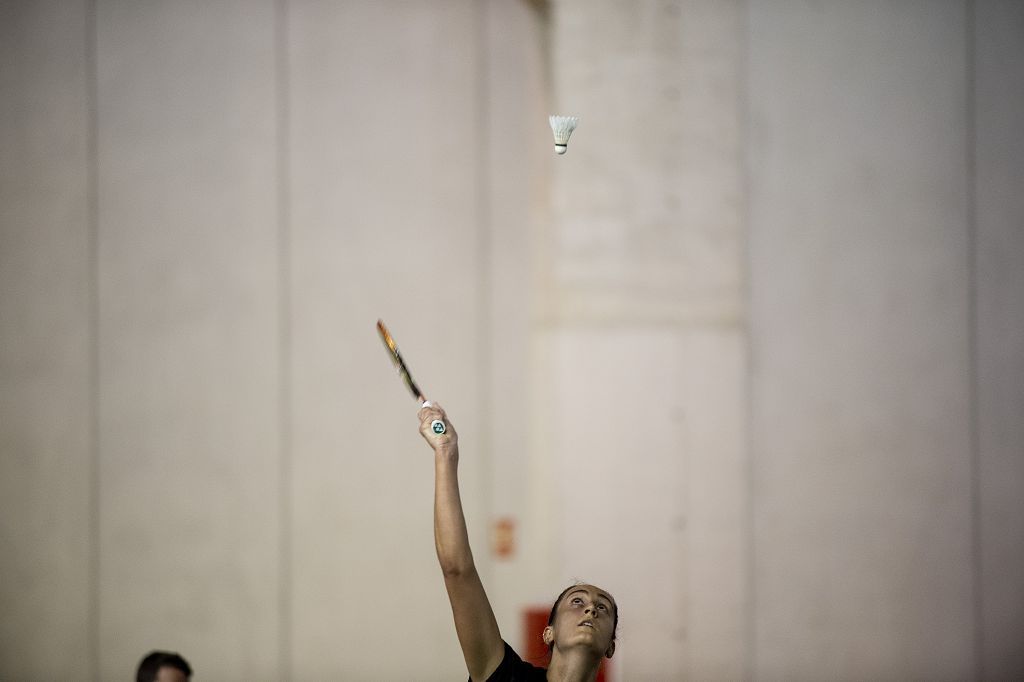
column 437, row 426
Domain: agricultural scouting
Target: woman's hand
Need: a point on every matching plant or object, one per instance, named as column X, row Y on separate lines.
column 446, row 443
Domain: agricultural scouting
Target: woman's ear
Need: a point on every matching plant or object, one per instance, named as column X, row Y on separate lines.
column 611, row 650
column 548, row 636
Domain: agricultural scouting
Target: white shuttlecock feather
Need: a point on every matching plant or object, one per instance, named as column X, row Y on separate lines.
column 562, row 127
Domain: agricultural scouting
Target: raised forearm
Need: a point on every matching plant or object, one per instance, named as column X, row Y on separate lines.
column 451, row 539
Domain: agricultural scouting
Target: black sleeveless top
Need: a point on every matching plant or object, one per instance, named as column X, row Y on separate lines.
column 515, row 669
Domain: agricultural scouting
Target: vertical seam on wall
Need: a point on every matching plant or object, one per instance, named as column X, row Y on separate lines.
column 92, row 201
column 743, row 160
column 972, row 338
column 281, row 94
column 483, row 158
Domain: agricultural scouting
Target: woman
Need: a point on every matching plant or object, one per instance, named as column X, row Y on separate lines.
column 581, row 627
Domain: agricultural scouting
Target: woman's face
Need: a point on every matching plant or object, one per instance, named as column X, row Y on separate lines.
column 584, row 617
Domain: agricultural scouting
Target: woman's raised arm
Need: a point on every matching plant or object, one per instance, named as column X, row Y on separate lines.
column 481, row 642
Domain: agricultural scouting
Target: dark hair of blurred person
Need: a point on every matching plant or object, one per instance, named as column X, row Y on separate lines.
column 163, row 666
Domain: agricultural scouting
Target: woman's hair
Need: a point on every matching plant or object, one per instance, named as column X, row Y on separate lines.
column 554, row 608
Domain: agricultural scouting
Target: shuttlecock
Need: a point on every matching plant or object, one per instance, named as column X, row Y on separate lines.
column 562, row 127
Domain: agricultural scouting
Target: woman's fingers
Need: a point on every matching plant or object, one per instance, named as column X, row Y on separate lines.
column 431, row 412
column 434, row 425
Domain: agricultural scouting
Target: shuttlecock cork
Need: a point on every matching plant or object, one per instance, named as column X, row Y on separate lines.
column 562, row 127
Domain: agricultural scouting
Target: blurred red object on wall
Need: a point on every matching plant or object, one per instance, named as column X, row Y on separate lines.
column 535, row 619
column 504, row 539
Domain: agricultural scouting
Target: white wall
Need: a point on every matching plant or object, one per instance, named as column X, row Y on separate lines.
column 885, row 432
column 861, row 358
column 998, row 257
column 189, row 527
column 47, row 318
column 749, row 355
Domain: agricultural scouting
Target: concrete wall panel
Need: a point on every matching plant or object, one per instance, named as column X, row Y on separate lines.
column 999, row 263
column 383, row 133
column 46, row 352
column 518, row 160
column 642, row 329
column 188, row 319
column 645, row 209
column 861, row 385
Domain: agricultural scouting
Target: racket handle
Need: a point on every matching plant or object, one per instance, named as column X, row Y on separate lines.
column 437, row 426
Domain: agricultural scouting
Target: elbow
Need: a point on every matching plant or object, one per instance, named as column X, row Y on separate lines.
column 457, row 570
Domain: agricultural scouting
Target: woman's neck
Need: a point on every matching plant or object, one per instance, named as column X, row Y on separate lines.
column 574, row 665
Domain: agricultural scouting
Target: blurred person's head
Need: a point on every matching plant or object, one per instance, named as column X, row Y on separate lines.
column 163, row 666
